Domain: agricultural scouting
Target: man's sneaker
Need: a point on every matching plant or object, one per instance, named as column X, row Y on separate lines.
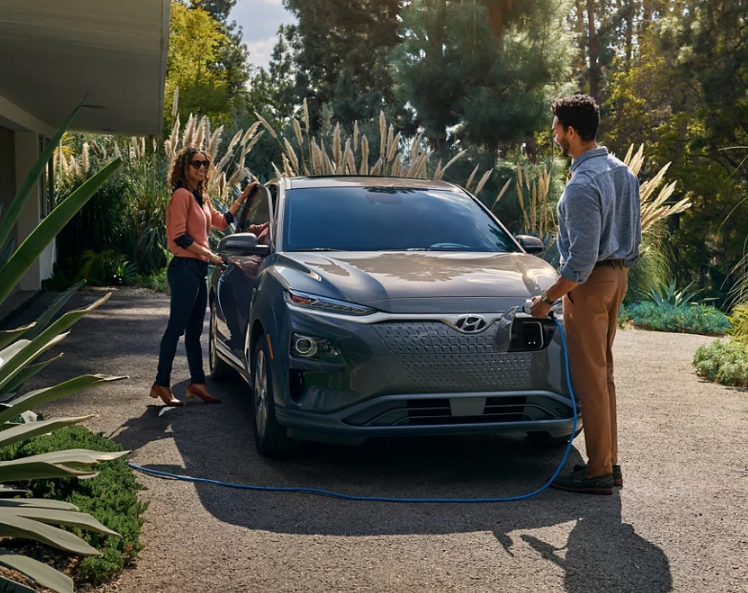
column 617, row 475
column 579, row 482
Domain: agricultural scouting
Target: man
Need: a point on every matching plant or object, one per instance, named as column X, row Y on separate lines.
column 599, row 236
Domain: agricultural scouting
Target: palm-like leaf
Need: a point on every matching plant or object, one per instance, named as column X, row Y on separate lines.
column 52, row 310
column 23, row 517
column 26, row 431
column 43, row 574
column 8, row 336
column 47, row 395
column 11, row 217
column 44, row 341
column 37, row 241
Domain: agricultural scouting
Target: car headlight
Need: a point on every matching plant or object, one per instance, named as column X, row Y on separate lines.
column 318, row 303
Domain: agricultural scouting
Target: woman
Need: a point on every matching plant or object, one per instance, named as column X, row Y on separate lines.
column 189, row 218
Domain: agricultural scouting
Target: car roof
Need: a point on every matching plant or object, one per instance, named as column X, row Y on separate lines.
column 365, row 181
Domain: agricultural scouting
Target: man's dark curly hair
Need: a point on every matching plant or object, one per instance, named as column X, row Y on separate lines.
column 579, row 112
column 178, row 176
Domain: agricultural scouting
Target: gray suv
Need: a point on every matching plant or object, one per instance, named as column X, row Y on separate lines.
column 372, row 306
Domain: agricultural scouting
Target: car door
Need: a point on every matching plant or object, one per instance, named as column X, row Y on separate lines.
column 235, row 285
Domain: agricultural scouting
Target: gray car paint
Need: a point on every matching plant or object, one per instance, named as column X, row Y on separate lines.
column 417, row 284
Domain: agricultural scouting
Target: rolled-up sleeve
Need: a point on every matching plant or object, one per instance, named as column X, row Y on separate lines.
column 582, row 227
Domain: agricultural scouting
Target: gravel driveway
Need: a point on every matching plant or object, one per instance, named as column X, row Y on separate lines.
column 680, row 523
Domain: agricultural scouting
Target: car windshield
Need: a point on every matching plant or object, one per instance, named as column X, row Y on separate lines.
column 388, row 219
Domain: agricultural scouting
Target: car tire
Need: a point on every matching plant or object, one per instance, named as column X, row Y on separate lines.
column 218, row 369
column 544, row 438
column 271, row 439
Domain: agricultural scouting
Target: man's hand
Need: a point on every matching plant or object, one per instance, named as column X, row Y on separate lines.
column 260, row 231
column 539, row 309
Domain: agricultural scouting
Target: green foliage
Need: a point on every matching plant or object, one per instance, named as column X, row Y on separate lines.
column 121, row 233
column 488, row 67
column 20, row 347
column 623, row 316
column 739, row 324
column 652, row 269
column 273, row 92
column 111, row 497
column 342, row 58
column 690, row 319
column 192, row 65
column 108, row 268
column 724, row 361
column 684, row 95
column 660, row 294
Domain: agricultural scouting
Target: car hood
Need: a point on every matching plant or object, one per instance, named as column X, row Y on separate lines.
column 400, row 281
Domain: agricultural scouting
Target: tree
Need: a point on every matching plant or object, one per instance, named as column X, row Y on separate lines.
column 192, row 64
column 342, row 58
column 489, row 67
column 231, row 54
column 685, row 96
column 274, row 89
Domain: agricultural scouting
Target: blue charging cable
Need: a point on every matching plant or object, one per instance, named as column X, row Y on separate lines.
column 161, row 474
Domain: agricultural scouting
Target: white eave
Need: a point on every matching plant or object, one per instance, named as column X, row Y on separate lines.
column 55, row 52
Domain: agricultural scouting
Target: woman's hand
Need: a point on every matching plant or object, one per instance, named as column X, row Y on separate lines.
column 248, row 191
column 215, row 259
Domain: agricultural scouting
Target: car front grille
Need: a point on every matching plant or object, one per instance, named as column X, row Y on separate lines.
column 435, row 337
column 437, row 411
column 438, row 359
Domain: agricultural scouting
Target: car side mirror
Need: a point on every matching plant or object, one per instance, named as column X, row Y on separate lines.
column 531, row 245
column 242, row 244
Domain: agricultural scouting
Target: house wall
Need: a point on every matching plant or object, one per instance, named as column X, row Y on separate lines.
column 7, row 169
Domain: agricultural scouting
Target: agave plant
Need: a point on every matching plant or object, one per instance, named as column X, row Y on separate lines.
column 20, row 348
column 668, row 295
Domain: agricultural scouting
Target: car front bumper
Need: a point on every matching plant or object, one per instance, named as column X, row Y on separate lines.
column 417, row 377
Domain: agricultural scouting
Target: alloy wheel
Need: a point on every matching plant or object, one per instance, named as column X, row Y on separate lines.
column 260, row 393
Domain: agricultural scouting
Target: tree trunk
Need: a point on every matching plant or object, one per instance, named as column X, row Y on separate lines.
column 629, row 36
column 593, row 50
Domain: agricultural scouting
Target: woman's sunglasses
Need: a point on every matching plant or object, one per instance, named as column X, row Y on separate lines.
column 198, row 164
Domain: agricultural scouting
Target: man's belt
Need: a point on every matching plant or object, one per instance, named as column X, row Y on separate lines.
column 615, row 263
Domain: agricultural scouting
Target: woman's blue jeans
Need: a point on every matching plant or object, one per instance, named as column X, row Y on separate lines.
column 187, row 278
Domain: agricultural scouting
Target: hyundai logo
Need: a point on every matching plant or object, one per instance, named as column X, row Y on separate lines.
column 470, row 324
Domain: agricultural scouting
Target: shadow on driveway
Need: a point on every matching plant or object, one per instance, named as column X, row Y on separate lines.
column 602, row 553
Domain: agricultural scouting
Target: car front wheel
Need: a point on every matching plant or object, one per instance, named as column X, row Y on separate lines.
column 271, row 439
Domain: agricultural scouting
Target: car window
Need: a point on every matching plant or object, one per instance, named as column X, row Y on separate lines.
column 384, row 219
column 254, row 212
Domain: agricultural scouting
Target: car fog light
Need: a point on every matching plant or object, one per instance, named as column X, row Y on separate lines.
column 315, row 349
column 305, row 347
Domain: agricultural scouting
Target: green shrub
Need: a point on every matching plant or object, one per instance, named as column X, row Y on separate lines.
column 111, row 497
column 739, row 324
column 623, row 316
column 724, row 361
column 690, row 319
column 155, row 281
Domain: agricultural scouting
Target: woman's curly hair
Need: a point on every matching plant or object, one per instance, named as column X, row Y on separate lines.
column 178, row 177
